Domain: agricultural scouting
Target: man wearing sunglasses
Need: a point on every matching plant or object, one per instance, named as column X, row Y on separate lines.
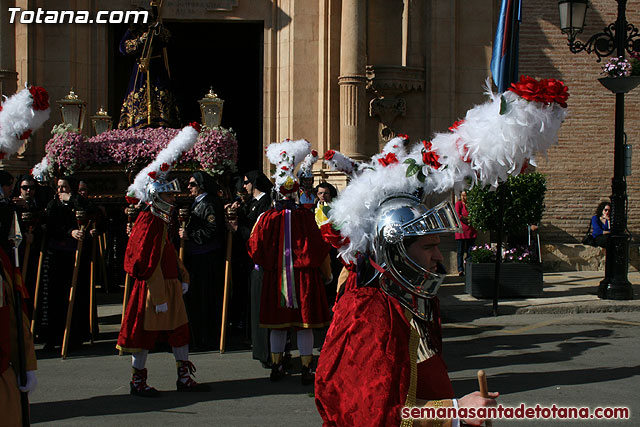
column 204, row 239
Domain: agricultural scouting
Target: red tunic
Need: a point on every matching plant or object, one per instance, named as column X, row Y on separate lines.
column 364, row 371
column 146, row 252
column 308, row 252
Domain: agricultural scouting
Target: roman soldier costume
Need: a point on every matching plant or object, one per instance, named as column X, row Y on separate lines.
column 383, row 348
column 156, row 309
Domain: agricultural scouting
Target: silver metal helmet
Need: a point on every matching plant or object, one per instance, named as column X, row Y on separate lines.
column 159, row 207
column 400, row 217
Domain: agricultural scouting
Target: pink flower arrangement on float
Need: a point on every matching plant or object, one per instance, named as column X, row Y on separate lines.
column 216, row 150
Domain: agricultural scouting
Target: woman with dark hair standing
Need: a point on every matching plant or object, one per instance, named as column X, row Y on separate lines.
column 204, row 237
column 600, row 224
column 63, row 237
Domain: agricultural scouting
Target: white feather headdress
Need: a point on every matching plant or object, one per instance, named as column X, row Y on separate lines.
column 494, row 140
column 161, row 166
column 20, row 115
column 286, row 155
column 41, row 171
column 306, row 167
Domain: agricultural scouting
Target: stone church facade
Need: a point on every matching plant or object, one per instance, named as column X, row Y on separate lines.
column 350, row 74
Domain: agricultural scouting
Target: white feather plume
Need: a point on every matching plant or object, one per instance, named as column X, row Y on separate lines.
column 181, row 143
column 485, row 148
column 306, row 167
column 339, row 162
column 41, row 171
column 286, row 155
column 17, row 117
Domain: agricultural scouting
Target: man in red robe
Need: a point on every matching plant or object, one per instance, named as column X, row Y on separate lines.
column 288, row 246
column 156, row 309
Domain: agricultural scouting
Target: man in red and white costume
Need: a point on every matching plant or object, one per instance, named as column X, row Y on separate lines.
column 156, row 309
column 287, row 244
column 383, row 350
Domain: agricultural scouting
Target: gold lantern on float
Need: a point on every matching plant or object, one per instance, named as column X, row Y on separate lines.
column 211, row 109
column 72, row 110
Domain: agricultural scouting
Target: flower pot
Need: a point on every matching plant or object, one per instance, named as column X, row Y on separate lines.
column 620, row 84
column 517, row 280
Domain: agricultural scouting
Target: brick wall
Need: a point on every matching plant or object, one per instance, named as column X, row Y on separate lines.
column 580, row 168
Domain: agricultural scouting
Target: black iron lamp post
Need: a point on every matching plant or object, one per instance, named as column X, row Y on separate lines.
column 618, row 38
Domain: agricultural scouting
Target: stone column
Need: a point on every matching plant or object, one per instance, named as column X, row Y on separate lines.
column 8, row 75
column 352, row 78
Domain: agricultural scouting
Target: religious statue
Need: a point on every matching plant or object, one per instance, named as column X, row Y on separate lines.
column 149, row 100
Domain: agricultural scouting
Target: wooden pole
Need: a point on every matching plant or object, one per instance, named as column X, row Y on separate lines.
column 102, row 267
column 36, row 296
column 27, row 218
column 92, row 286
column 482, row 383
column 227, row 291
column 81, row 217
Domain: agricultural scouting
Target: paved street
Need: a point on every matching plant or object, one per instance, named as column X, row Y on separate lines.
column 570, row 359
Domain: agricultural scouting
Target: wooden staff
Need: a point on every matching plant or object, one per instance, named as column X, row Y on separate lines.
column 102, row 267
column 27, row 218
column 482, row 383
column 183, row 216
column 92, row 285
column 36, row 296
column 131, row 212
column 81, row 217
column 232, row 214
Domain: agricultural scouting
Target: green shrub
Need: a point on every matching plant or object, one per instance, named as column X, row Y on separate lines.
column 523, row 203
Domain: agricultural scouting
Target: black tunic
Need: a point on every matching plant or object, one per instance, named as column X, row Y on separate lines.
column 204, row 260
column 57, row 273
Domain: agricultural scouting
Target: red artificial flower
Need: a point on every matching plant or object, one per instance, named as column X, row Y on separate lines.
column 282, row 153
column 314, row 153
column 284, row 168
column 164, row 167
column 333, row 236
column 153, row 175
column 26, row 134
column 0, row 107
column 455, row 125
column 389, row 159
column 293, row 189
column 40, row 97
column 403, row 136
column 329, row 154
column 131, row 200
column 555, row 91
column 196, row 126
column 527, row 88
column 430, row 158
column 525, row 165
column 2, row 154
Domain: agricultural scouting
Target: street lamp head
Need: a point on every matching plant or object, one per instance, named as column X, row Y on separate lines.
column 572, row 15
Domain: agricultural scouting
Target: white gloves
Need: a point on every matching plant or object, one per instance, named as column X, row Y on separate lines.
column 162, row 308
column 32, row 382
column 185, row 287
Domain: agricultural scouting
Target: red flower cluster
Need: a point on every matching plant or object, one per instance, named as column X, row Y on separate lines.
column 545, row 90
column 284, row 168
column 40, row 97
column 196, row 126
column 329, row 154
column 389, row 159
column 131, row 200
column 403, row 136
column 153, row 175
column 430, row 158
column 164, row 167
column 314, row 153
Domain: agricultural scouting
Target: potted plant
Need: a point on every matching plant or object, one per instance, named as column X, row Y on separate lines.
column 621, row 75
column 520, row 276
column 521, row 273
